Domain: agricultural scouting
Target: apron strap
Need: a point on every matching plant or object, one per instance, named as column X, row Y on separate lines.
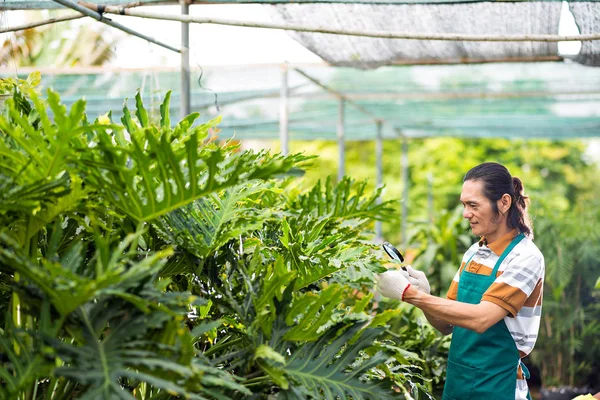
column 505, row 253
column 526, row 373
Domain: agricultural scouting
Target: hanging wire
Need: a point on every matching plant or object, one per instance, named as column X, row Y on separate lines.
column 217, row 106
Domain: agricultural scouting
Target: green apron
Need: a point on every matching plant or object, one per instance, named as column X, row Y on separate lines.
column 481, row 366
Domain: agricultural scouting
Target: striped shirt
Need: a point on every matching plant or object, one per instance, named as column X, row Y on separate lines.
column 517, row 288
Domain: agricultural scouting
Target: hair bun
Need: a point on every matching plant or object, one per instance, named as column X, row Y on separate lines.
column 520, row 197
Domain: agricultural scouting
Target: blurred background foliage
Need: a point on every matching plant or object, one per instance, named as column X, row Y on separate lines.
column 561, row 177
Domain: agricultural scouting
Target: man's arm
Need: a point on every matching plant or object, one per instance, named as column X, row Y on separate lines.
column 443, row 313
column 442, row 326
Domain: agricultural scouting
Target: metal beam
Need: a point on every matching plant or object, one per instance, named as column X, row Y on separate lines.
column 185, row 61
column 379, row 167
column 284, row 111
column 454, row 96
column 460, row 37
column 44, row 5
column 41, row 23
column 339, row 95
column 404, row 191
column 99, row 17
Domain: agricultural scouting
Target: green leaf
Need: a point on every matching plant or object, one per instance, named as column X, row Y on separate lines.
column 311, row 312
column 268, row 353
column 207, row 224
column 153, row 176
column 165, row 120
column 330, row 368
column 347, row 199
column 204, row 327
column 140, row 111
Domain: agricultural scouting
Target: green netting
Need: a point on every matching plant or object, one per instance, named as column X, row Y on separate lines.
column 515, row 100
column 49, row 4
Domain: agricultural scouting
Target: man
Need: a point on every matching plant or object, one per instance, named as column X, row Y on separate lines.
column 494, row 302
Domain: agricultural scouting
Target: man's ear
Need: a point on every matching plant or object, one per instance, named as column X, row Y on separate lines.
column 504, row 203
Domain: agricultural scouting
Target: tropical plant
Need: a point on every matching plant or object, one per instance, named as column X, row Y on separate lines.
column 141, row 260
column 67, row 44
column 568, row 348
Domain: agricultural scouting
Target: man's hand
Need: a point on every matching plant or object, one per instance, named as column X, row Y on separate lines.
column 418, row 280
column 393, row 284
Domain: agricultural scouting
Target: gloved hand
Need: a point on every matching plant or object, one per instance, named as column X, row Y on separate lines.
column 418, row 279
column 393, row 284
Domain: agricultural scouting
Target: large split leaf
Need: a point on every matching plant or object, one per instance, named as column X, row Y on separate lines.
column 329, row 369
column 38, row 158
column 159, row 169
column 347, row 199
column 115, row 345
column 208, row 223
column 61, row 280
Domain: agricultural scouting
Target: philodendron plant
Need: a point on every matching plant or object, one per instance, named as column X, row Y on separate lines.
column 139, row 260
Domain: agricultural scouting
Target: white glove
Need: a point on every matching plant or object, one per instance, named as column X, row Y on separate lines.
column 393, row 284
column 418, row 279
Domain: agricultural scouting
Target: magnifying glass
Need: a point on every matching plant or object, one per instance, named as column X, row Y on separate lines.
column 393, row 252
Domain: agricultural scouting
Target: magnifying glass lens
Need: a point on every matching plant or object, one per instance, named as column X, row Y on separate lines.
column 393, row 252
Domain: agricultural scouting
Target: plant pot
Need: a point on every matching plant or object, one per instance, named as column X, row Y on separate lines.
column 564, row 393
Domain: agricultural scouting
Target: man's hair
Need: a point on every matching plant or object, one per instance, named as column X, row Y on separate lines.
column 497, row 181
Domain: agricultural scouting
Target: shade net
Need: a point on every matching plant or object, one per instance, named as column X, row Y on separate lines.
column 553, row 100
column 587, row 18
column 471, row 18
column 49, row 4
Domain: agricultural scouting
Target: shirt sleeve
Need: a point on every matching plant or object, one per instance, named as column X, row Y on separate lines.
column 517, row 283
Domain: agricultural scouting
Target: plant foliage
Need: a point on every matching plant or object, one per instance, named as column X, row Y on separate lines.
column 141, row 260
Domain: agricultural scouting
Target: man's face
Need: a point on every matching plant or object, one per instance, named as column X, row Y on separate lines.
column 478, row 210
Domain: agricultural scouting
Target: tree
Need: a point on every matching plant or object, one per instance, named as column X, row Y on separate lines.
column 66, row 44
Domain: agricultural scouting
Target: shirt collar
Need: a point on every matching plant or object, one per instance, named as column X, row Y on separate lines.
column 499, row 245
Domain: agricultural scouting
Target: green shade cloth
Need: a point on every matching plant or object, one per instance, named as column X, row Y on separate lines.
column 555, row 100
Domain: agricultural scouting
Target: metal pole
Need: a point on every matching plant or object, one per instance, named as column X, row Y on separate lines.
column 185, row 61
column 284, row 111
column 379, row 164
column 405, row 190
column 460, row 37
column 341, row 144
column 430, row 196
column 41, row 23
column 97, row 16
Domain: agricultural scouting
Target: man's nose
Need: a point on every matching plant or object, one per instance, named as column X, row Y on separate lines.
column 467, row 214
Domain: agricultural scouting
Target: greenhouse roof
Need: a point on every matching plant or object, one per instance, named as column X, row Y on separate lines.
column 554, row 100
column 49, row 4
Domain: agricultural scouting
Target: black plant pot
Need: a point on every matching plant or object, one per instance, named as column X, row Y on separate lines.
column 563, row 393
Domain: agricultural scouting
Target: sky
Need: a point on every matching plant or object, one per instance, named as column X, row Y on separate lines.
column 221, row 45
